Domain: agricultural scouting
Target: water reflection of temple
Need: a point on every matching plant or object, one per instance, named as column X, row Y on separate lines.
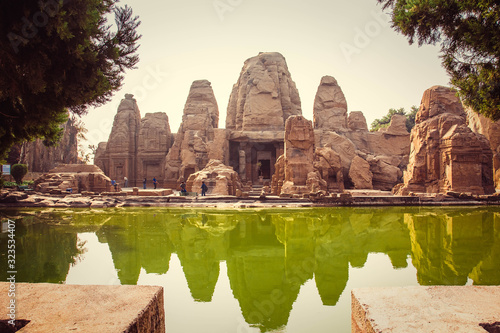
column 448, row 247
column 271, row 254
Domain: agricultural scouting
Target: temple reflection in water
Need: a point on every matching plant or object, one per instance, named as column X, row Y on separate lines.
column 269, row 254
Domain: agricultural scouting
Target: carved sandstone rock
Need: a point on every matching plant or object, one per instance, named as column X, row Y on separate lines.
column 491, row 130
column 41, row 158
column 357, row 121
column 220, row 179
column 154, row 140
column 120, row 157
column 136, row 147
column 330, row 106
column 264, row 96
column 299, row 155
column 329, row 165
column 445, row 154
column 77, row 177
column 360, row 174
column 190, row 151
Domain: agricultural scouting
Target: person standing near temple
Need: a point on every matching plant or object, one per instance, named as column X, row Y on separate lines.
column 144, row 183
column 125, row 181
column 204, row 188
column 154, row 182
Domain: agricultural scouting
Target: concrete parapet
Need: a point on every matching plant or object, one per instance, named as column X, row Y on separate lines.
column 466, row 309
column 74, row 308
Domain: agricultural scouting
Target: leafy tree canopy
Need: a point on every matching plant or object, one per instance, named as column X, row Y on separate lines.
column 59, row 55
column 469, row 34
column 386, row 120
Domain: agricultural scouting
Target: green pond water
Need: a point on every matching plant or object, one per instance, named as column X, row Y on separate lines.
column 282, row 270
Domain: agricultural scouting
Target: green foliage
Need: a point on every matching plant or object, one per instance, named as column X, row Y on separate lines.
column 24, row 183
column 469, row 34
column 59, row 55
column 386, row 120
column 18, row 171
column 410, row 118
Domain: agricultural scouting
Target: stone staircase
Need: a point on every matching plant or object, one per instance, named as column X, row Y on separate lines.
column 255, row 191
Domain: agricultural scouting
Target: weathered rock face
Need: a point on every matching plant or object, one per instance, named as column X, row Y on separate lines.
column 349, row 137
column 219, row 178
column 191, row 151
column 357, row 121
column 360, row 174
column 299, row 155
column 40, row 158
column 136, row 147
column 491, row 130
column 77, row 177
column 330, row 106
column 120, row 157
column 264, row 96
column 329, row 165
column 153, row 143
column 445, row 154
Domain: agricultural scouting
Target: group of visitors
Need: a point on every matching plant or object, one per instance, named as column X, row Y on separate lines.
column 155, row 183
column 204, row 187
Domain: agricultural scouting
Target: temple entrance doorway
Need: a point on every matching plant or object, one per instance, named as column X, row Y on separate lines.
column 265, row 169
column 188, row 172
column 254, row 161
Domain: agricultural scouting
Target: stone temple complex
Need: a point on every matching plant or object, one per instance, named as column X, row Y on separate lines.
column 266, row 141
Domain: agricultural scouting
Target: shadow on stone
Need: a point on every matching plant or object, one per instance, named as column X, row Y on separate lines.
column 8, row 328
column 491, row 328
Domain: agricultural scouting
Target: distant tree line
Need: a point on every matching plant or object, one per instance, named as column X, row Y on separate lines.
column 386, row 120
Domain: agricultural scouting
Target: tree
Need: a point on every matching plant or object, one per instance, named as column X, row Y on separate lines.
column 18, row 171
column 469, row 34
column 386, row 120
column 59, row 55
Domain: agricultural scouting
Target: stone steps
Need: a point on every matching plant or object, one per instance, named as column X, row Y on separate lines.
column 256, row 190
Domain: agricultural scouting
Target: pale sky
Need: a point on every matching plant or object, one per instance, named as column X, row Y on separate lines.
column 351, row 40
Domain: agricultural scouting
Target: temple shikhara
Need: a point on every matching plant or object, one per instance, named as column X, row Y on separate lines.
column 268, row 143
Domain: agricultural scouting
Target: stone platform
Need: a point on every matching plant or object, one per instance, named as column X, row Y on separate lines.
column 73, row 308
column 464, row 309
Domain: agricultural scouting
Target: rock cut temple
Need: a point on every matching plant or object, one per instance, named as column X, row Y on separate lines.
column 266, row 140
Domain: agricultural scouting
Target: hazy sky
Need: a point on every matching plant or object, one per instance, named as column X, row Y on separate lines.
column 352, row 40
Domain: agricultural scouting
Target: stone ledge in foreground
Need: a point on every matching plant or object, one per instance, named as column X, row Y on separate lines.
column 466, row 309
column 75, row 308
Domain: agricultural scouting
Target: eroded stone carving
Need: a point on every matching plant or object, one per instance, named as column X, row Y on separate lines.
column 264, row 96
column 73, row 178
column 191, row 151
column 299, row 156
column 330, row 106
column 491, row 130
column 219, row 178
column 40, row 158
column 136, row 147
column 445, row 154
